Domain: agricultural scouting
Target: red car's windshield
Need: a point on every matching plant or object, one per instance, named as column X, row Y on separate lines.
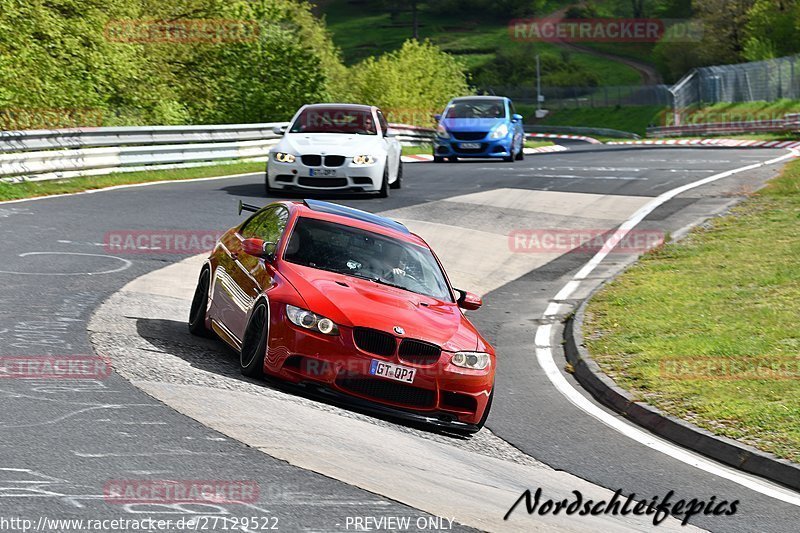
column 364, row 254
column 332, row 119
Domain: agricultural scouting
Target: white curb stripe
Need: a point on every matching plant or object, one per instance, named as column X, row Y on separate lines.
column 544, row 355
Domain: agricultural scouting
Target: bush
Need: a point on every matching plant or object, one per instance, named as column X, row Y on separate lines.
column 516, row 67
column 409, row 84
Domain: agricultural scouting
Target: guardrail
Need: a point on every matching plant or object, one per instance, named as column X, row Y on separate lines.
column 579, row 130
column 788, row 123
column 36, row 155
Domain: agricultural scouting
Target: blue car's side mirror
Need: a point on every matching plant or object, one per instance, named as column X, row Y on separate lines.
column 516, row 118
column 437, row 117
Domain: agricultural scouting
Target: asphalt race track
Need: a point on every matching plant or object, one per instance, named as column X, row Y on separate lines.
column 176, row 407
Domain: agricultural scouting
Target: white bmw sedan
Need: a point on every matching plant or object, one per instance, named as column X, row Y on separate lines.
column 335, row 148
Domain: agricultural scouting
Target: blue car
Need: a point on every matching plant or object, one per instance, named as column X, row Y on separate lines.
column 479, row 126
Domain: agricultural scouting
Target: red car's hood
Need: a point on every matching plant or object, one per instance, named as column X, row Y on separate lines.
column 357, row 302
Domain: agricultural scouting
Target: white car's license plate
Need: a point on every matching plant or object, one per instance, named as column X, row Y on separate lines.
column 322, row 172
column 392, row 371
column 470, row 146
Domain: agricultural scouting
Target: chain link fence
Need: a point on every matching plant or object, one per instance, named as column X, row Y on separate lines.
column 769, row 80
column 572, row 97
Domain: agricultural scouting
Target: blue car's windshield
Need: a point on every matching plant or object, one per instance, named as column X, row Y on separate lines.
column 476, row 109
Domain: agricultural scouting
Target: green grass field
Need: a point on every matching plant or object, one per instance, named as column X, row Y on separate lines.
column 30, row 189
column 634, row 119
column 473, row 39
column 708, row 329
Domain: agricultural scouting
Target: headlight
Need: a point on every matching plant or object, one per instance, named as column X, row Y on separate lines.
column 283, row 157
column 441, row 132
column 308, row 320
column 499, row 132
column 473, row 360
column 363, row 160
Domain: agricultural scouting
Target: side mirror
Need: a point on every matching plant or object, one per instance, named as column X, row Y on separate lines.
column 468, row 300
column 516, row 118
column 258, row 248
column 437, row 117
column 279, row 130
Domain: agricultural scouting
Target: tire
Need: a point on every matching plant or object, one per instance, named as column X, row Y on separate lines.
column 521, row 154
column 268, row 191
column 485, row 416
column 471, row 430
column 384, row 192
column 398, row 183
column 509, row 158
column 197, row 313
column 254, row 346
column 438, row 159
column 453, row 159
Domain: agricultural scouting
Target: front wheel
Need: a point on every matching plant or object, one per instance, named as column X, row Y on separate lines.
column 521, row 154
column 485, row 416
column 254, row 347
column 384, row 191
column 399, row 181
column 197, row 313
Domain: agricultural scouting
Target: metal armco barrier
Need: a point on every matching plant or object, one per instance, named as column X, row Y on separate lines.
column 788, row 123
column 36, row 155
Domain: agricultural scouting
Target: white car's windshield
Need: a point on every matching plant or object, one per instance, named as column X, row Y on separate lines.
column 364, row 254
column 476, row 109
column 332, row 119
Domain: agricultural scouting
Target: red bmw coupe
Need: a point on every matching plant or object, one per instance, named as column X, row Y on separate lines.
column 350, row 304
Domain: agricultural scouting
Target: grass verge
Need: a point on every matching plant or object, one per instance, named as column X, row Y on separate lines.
column 30, row 189
column 634, row 119
column 708, row 329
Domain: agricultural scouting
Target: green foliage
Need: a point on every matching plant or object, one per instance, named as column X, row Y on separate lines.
column 59, row 56
column 495, row 8
column 517, row 67
column 409, row 84
column 772, row 29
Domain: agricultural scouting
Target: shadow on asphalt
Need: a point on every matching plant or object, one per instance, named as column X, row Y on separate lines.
column 216, row 357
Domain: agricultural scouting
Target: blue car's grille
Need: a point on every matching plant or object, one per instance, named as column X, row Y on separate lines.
column 469, row 135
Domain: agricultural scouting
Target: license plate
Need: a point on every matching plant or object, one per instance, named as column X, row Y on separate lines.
column 471, row 146
column 392, row 371
column 322, row 172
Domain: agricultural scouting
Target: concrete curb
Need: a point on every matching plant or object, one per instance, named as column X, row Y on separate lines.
column 722, row 449
column 416, row 158
column 582, row 138
column 722, row 143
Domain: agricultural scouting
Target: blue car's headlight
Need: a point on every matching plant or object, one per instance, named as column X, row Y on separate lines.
column 499, row 132
column 441, row 132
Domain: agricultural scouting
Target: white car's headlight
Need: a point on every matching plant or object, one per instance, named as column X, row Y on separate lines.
column 308, row 320
column 472, row 360
column 283, row 157
column 499, row 132
column 363, row 160
column 441, row 132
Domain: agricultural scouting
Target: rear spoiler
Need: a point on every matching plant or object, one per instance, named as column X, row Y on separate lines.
column 248, row 207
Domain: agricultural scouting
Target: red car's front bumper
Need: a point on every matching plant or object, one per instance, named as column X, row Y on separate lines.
column 440, row 393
